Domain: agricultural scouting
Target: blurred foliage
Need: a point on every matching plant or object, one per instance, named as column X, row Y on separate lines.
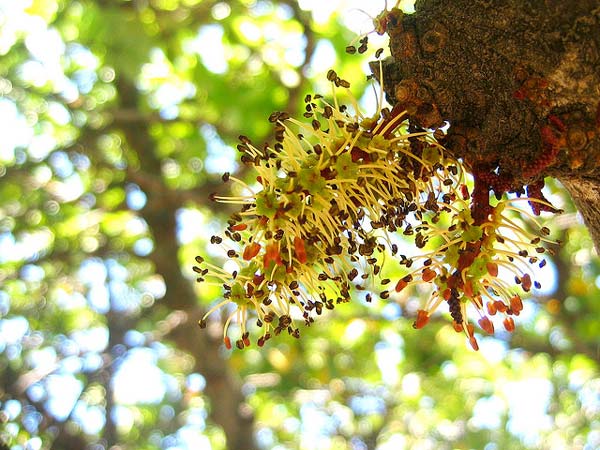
column 117, row 116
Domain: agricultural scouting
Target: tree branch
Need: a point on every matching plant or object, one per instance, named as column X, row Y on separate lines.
column 517, row 80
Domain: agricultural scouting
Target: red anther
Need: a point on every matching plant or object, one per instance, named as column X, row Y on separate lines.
column 458, row 327
column 486, row 325
column 447, row 294
column 464, row 191
column 239, row 227
column 227, row 342
column 251, row 251
column 509, row 324
column 526, row 283
column 259, row 179
column 428, row 275
column 358, row 154
column 422, row 319
column 261, row 341
column 300, row 250
column 401, row 285
column 491, row 308
column 516, row 305
column 492, row 268
column 246, row 341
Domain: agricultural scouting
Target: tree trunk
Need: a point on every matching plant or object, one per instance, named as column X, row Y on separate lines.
column 223, row 387
column 519, row 83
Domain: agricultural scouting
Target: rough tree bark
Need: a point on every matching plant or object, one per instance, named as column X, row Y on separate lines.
column 519, row 82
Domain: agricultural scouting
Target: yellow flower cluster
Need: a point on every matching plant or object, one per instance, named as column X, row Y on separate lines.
column 330, row 195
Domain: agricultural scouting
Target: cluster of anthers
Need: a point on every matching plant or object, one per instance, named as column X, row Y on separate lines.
column 331, row 198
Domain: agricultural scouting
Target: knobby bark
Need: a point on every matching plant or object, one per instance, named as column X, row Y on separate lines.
column 519, row 83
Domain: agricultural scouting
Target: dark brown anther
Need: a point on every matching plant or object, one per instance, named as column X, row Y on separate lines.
column 318, row 308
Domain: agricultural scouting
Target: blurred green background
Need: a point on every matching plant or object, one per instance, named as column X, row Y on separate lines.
column 117, row 119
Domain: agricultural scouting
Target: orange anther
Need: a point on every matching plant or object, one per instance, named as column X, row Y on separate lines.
column 491, row 307
column 239, row 227
column 486, row 325
column 428, row 275
column 516, row 304
column 272, row 254
column 401, row 285
column 468, row 289
column 300, row 250
column 251, row 251
column 500, row 306
column 492, row 268
column 470, row 329
column 509, row 324
column 473, row 343
column 422, row 319
column 227, row 342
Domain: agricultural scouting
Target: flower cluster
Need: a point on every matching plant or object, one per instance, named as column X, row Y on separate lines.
column 330, row 196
